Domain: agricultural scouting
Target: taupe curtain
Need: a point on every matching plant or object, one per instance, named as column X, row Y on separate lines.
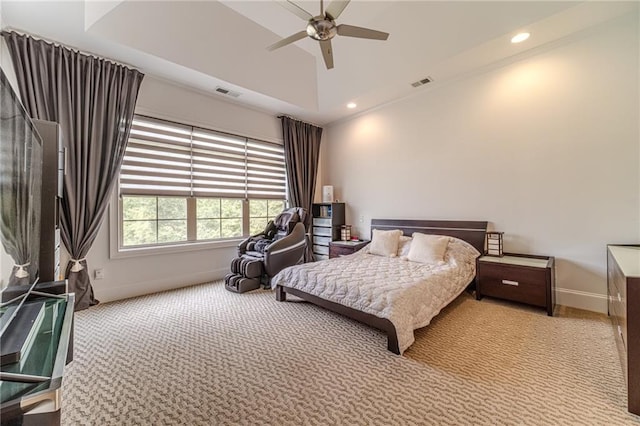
column 301, row 154
column 93, row 100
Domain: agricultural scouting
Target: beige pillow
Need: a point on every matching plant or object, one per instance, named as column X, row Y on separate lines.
column 385, row 243
column 428, row 249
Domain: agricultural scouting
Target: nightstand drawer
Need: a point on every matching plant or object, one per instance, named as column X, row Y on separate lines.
column 520, row 274
column 336, row 251
column 340, row 248
column 517, row 290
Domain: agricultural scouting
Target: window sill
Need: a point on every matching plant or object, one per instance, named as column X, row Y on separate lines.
column 123, row 253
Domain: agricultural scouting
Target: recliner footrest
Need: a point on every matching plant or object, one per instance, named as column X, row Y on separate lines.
column 239, row 284
column 251, row 268
column 230, row 279
column 235, row 265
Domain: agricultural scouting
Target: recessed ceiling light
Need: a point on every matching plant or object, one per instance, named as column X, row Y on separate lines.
column 351, row 105
column 520, row 37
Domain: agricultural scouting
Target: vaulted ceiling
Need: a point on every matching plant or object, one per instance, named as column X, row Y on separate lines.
column 209, row 44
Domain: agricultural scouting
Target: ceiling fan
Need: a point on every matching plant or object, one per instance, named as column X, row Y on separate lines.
column 323, row 28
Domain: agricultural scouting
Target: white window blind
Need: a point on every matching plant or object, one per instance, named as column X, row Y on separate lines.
column 165, row 158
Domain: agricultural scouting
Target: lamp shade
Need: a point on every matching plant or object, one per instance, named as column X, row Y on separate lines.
column 494, row 243
column 327, row 194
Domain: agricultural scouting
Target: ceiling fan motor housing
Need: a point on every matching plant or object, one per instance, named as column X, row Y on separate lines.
column 321, row 28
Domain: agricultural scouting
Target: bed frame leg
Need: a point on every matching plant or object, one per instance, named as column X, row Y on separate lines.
column 392, row 342
column 281, row 296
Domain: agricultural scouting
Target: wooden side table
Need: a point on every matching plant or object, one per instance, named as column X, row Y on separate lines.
column 343, row 248
column 518, row 277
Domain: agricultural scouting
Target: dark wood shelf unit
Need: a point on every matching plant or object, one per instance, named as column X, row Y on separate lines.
column 326, row 223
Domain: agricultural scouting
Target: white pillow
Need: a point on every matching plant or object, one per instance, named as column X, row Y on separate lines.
column 404, row 246
column 428, row 249
column 385, row 243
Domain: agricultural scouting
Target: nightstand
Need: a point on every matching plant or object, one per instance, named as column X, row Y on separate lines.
column 343, row 248
column 518, row 277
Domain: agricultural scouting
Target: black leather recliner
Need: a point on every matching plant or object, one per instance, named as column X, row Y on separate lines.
column 281, row 244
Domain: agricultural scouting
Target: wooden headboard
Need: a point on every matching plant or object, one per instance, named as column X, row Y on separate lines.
column 473, row 232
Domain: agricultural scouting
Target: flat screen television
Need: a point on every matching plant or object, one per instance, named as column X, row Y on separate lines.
column 20, row 191
column 35, row 322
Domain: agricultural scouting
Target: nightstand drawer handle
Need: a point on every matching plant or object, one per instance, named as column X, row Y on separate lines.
column 509, row 282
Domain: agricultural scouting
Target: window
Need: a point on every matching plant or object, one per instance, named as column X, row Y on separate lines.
column 261, row 212
column 153, row 220
column 182, row 184
column 219, row 218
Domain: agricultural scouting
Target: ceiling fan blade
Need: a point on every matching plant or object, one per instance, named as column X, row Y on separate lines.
column 336, row 7
column 351, row 31
column 288, row 40
column 295, row 9
column 327, row 53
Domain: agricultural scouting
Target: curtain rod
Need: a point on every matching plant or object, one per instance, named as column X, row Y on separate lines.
column 298, row 120
column 57, row 43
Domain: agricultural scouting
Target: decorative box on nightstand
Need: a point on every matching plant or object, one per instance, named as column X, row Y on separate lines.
column 343, row 248
column 518, row 277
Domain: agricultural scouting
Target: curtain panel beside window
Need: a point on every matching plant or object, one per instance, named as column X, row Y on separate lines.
column 93, row 100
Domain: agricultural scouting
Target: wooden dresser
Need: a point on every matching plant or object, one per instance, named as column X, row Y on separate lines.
column 623, row 287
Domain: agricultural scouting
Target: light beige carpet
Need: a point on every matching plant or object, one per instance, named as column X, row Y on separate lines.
column 205, row 356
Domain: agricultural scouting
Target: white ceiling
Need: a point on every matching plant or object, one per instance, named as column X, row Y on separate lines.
column 205, row 44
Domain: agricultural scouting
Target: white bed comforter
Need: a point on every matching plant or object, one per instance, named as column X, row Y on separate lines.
column 408, row 294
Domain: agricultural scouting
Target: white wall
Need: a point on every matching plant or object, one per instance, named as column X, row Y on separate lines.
column 546, row 149
column 127, row 277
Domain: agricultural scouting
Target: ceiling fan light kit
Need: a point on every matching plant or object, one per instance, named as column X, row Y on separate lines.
column 323, row 28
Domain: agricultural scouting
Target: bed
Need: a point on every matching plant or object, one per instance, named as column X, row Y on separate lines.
column 392, row 294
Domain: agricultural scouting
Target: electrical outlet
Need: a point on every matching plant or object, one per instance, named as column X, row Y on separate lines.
column 361, row 218
column 99, row 274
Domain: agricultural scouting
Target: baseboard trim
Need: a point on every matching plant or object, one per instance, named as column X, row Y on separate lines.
column 111, row 294
column 595, row 302
column 575, row 298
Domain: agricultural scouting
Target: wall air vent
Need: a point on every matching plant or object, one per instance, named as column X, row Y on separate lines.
column 227, row 92
column 422, row 82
